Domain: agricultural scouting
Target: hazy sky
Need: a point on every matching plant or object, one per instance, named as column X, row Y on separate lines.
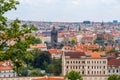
column 67, row 10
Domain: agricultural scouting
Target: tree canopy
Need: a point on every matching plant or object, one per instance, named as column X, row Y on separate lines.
column 114, row 77
column 112, row 51
column 41, row 60
column 73, row 75
column 15, row 37
column 5, row 6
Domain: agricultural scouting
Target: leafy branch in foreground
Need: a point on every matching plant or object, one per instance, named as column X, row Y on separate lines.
column 15, row 37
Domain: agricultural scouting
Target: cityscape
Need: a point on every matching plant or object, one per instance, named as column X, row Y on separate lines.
column 58, row 50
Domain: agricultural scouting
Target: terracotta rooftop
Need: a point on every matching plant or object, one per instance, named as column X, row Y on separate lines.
column 1, row 63
column 82, row 47
column 108, row 47
column 54, row 51
column 74, row 54
column 6, row 68
column 114, row 62
column 95, row 54
column 38, row 46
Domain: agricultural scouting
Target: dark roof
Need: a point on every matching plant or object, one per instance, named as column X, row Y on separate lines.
column 113, row 55
column 46, row 32
column 74, row 54
column 114, row 62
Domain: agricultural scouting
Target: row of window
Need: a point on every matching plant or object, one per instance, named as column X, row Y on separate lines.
column 96, row 72
column 96, row 62
column 113, row 71
column 70, row 62
column 82, row 72
column 6, row 71
column 88, row 67
column 92, row 72
column 75, row 67
column 97, row 67
column 10, row 75
column 88, row 62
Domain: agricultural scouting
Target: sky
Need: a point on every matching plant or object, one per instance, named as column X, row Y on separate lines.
column 66, row 10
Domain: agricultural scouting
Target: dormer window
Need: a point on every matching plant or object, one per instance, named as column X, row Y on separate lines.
column 103, row 56
column 88, row 56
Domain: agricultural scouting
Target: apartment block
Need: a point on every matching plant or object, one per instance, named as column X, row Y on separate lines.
column 89, row 65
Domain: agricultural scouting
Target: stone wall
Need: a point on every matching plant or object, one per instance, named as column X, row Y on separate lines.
column 95, row 77
column 20, row 78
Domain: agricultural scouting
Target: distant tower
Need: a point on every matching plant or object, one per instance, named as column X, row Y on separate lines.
column 54, row 37
column 68, row 28
column 79, row 28
column 102, row 24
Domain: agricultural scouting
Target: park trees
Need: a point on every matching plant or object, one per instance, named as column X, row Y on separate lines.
column 73, row 75
column 114, row 77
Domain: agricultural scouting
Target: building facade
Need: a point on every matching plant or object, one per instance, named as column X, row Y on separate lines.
column 6, row 70
column 87, row 65
column 114, row 66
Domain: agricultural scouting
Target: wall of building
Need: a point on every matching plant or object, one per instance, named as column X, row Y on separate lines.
column 85, row 66
column 27, row 78
column 95, row 77
column 7, row 73
column 113, row 70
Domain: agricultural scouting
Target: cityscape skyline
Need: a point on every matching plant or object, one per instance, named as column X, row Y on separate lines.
column 66, row 10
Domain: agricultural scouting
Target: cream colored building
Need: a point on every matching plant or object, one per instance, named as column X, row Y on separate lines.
column 114, row 66
column 6, row 69
column 88, row 65
column 40, row 46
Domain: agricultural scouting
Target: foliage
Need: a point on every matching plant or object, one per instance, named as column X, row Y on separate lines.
column 24, row 71
column 112, row 51
column 54, row 68
column 114, row 77
column 30, row 71
column 21, row 39
column 41, row 59
column 94, row 50
column 5, row 6
column 73, row 75
column 74, row 40
column 98, row 40
column 35, row 72
column 37, row 41
column 50, row 68
column 57, row 67
column 18, row 36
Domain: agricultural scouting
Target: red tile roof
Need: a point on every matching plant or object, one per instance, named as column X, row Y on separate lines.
column 82, row 47
column 1, row 63
column 112, row 55
column 6, row 68
column 114, row 62
column 74, row 54
column 38, row 46
column 54, row 51
column 95, row 54
column 108, row 47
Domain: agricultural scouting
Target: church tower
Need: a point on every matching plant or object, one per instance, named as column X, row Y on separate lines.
column 54, row 37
